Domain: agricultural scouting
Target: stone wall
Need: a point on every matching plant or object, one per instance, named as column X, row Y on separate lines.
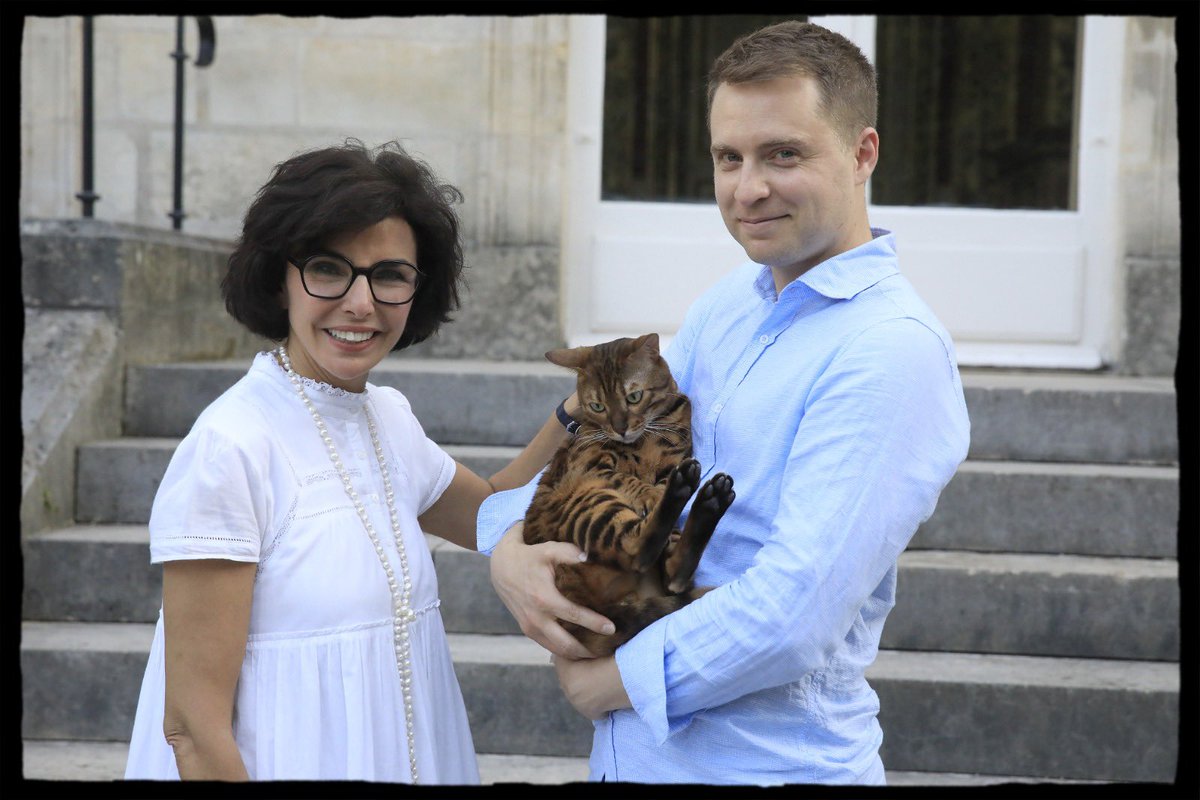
column 509, row 311
column 1150, row 196
column 97, row 297
column 160, row 287
column 482, row 99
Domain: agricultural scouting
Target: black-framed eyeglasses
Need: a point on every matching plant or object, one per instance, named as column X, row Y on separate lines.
column 329, row 276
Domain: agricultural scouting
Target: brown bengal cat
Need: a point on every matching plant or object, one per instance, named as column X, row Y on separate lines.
column 617, row 488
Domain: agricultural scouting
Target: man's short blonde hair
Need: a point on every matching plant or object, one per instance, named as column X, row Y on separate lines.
column 849, row 96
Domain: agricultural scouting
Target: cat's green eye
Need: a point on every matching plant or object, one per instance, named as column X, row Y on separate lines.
column 633, row 397
column 597, row 407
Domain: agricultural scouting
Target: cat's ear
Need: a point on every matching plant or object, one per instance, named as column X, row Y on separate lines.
column 572, row 357
column 647, row 342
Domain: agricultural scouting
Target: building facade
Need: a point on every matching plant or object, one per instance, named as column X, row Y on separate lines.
column 512, row 111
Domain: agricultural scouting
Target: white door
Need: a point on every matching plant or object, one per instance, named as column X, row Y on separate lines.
column 1019, row 288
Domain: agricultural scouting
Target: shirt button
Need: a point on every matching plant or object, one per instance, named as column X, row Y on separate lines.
column 717, row 408
column 360, row 455
column 764, row 339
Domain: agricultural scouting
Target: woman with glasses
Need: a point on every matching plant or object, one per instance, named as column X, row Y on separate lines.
column 299, row 636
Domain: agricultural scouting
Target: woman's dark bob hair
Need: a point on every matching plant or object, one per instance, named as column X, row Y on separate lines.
column 319, row 195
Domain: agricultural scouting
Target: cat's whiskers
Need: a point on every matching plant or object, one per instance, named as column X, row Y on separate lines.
column 662, row 429
column 592, row 436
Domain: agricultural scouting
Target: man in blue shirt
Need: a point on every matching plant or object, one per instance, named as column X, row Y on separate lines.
column 830, row 392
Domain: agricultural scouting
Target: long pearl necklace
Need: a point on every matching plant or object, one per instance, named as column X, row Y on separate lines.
column 402, row 610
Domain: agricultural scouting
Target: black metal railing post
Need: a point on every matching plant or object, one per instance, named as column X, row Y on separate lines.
column 203, row 59
column 88, row 197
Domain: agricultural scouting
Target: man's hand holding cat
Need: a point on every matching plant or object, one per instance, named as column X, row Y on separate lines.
column 592, row 686
column 523, row 576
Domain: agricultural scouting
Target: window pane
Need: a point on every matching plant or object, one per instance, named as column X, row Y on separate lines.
column 655, row 131
column 977, row 111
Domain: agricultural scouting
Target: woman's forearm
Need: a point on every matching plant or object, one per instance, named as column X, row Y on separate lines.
column 453, row 517
column 208, row 756
column 206, row 617
column 537, row 453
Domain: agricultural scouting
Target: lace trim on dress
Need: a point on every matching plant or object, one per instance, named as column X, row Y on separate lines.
column 195, row 537
column 309, row 383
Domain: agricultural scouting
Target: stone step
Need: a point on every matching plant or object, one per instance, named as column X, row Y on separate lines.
column 1047, row 605
column 1085, row 509
column 1021, row 416
column 77, row 760
column 91, row 573
column 116, row 479
column 1070, row 606
column 1071, row 416
column 67, row 760
column 457, row 401
column 80, row 680
column 1056, row 718
column 1074, row 606
column 998, row 506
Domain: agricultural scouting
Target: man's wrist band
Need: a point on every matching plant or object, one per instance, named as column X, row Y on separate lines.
column 568, row 422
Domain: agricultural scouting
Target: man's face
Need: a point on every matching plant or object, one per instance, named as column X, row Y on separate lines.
column 790, row 191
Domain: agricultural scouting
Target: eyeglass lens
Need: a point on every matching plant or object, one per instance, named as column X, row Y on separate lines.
column 328, row 277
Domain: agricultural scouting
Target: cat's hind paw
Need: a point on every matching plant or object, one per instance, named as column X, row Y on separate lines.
column 716, row 495
column 684, row 480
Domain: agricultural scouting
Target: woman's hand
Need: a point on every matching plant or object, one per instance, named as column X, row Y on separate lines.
column 523, row 576
column 593, row 686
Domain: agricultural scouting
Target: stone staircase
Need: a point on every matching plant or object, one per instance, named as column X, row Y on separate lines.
column 1036, row 635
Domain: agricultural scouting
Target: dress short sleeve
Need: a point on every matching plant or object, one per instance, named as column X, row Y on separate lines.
column 212, row 503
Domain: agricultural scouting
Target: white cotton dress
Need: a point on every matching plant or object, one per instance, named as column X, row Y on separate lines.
column 319, row 696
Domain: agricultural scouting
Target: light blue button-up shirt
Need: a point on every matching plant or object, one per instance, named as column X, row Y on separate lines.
column 838, row 410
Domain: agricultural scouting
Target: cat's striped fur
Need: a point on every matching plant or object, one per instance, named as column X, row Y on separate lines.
column 616, row 490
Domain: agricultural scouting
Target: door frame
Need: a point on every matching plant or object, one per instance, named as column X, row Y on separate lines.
column 1082, row 246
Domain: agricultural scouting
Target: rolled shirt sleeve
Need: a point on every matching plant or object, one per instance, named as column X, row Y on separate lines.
column 501, row 511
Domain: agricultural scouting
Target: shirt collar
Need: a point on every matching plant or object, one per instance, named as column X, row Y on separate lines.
column 844, row 275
